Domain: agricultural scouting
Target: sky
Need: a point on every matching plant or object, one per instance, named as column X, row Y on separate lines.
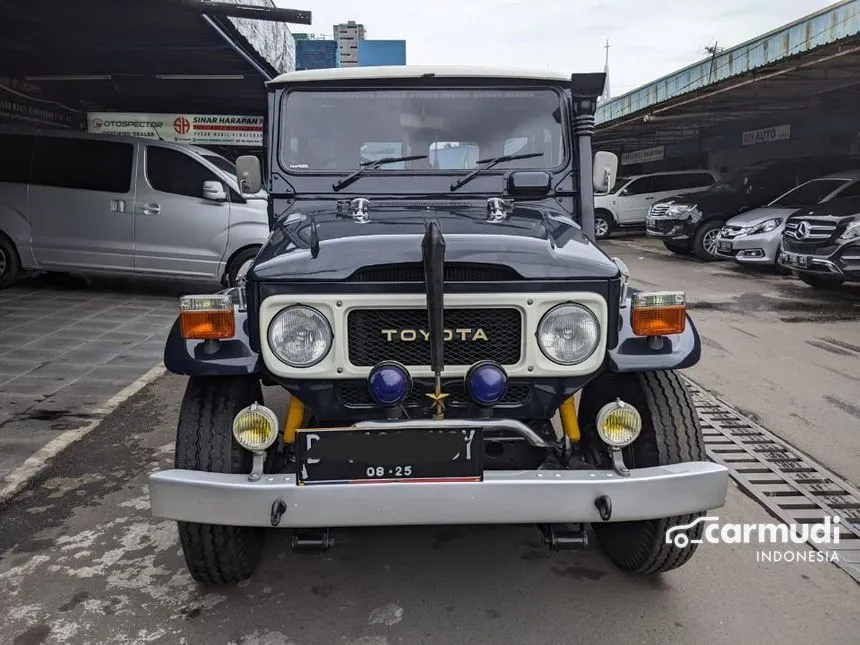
column 648, row 38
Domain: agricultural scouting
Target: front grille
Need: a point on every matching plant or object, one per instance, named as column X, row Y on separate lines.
column 368, row 345
column 356, row 395
column 414, row 272
column 730, row 232
column 658, row 209
column 809, row 231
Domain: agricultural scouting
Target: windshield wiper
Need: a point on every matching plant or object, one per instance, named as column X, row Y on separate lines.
column 370, row 165
column 489, row 163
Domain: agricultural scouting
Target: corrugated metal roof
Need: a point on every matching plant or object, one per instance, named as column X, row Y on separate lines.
column 827, row 26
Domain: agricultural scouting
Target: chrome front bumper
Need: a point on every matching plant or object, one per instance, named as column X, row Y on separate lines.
column 503, row 497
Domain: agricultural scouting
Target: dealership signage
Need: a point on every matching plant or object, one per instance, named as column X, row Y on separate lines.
column 207, row 129
column 766, row 135
column 643, row 156
column 20, row 107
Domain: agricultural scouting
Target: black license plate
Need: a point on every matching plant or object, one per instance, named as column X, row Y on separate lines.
column 795, row 260
column 724, row 247
column 366, row 455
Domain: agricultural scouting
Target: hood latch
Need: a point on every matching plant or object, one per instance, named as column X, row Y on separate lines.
column 358, row 209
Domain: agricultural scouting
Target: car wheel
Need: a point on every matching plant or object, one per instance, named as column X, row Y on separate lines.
column 670, row 434
column 705, row 242
column 681, row 248
column 240, row 264
column 603, row 225
column 216, row 554
column 820, row 281
column 9, row 264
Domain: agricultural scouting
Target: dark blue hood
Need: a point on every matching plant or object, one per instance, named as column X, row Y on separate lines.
column 538, row 243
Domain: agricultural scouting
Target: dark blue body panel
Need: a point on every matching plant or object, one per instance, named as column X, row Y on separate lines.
column 632, row 353
column 231, row 357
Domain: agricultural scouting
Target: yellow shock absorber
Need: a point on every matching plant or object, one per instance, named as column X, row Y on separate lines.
column 295, row 418
column 569, row 422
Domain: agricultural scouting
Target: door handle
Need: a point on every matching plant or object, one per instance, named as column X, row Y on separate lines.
column 648, row 199
column 149, row 209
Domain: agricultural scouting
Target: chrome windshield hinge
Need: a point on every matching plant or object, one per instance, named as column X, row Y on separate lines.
column 625, row 279
column 358, row 209
column 498, row 209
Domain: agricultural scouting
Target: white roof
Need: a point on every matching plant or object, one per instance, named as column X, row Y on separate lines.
column 416, row 71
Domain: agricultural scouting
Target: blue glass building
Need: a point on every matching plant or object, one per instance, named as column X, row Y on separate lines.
column 372, row 53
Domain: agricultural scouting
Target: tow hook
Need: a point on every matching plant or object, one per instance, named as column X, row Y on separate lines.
column 564, row 537
column 278, row 510
column 604, row 507
column 314, row 541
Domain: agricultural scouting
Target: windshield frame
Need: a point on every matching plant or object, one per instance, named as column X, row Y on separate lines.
column 566, row 162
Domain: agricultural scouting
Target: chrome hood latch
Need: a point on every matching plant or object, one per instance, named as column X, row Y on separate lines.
column 498, row 209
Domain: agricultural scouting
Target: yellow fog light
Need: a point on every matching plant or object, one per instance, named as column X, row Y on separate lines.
column 255, row 428
column 618, row 424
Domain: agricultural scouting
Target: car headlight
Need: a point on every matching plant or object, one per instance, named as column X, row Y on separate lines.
column 852, row 232
column 679, row 209
column 568, row 334
column 766, row 226
column 300, row 336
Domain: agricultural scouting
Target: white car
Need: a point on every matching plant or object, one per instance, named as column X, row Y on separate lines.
column 627, row 206
column 754, row 237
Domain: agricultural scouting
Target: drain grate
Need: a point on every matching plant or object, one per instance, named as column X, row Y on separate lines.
column 790, row 485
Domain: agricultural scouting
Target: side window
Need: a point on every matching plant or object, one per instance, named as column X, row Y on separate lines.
column 639, row 187
column 853, row 190
column 84, row 164
column 171, row 171
column 701, row 179
column 663, row 183
column 16, row 155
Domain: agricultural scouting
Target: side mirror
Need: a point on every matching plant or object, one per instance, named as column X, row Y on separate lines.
column 249, row 174
column 214, row 191
column 605, row 171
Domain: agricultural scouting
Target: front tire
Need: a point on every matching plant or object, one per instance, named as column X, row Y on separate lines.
column 216, row 554
column 240, row 264
column 10, row 266
column 603, row 224
column 670, row 434
column 705, row 242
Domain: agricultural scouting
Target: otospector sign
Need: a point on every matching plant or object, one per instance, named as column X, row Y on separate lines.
column 206, row 129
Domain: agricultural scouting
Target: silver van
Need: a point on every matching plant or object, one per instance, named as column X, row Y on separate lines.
column 87, row 203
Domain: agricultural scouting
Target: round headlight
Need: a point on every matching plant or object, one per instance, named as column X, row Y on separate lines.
column 255, row 428
column 300, row 336
column 568, row 334
column 618, row 424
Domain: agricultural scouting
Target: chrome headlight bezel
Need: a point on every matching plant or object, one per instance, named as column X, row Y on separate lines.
column 278, row 352
column 851, row 232
column 765, row 227
column 558, row 310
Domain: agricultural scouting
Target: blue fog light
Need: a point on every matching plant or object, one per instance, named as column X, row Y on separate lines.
column 389, row 383
column 486, row 382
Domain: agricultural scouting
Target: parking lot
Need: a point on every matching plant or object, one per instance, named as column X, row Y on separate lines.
column 85, row 563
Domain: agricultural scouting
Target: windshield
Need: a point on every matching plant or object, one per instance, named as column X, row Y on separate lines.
column 338, row 131
column 736, row 181
column 808, row 194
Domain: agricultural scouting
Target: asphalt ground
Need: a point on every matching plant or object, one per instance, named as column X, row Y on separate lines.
column 83, row 562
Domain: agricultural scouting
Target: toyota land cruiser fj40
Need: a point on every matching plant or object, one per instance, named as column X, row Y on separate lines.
column 456, row 347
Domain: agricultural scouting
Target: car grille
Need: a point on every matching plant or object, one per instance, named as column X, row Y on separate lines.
column 414, row 272
column 658, row 210
column 809, row 231
column 730, row 232
column 368, row 345
column 356, row 395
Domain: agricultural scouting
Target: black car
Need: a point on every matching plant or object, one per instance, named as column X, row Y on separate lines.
column 691, row 223
column 432, row 312
column 822, row 245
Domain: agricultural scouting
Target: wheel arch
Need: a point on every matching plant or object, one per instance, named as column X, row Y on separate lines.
column 229, row 262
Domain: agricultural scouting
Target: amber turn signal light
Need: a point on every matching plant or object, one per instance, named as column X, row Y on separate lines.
column 659, row 313
column 206, row 317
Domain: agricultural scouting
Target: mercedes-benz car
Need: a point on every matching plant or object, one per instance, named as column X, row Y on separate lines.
column 754, row 237
column 455, row 346
column 822, row 244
